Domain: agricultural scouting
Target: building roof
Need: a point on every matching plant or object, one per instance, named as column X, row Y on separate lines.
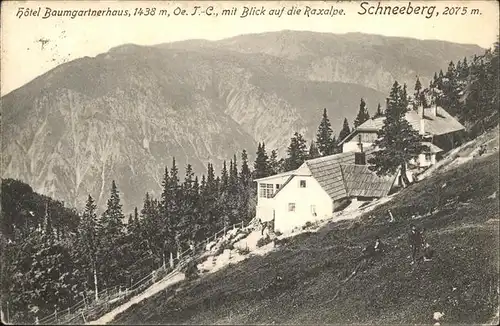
column 339, row 177
column 361, row 182
column 326, row 170
column 283, row 174
column 441, row 124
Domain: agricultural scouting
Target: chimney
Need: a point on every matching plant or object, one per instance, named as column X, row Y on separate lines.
column 360, row 144
column 422, row 119
column 421, row 111
column 434, row 110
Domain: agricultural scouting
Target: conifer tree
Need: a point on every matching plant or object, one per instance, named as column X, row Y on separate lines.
column 209, row 198
column 112, row 236
column 245, row 174
column 379, row 112
column 324, row 136
column 417, row 95
column 112, row 219
column 261, row 165
column 398, row 142
column 245, row 187
column 297, row 152
column 274, row 165
column 173, row 207
column 224, row 178
column 363, row 114
column 185, row 227
column 313, row 151
column 345, row 130
column 165, row 227
column 89, row 242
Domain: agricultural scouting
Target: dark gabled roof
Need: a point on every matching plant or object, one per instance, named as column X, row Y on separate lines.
column 326, row 170
column 443, row 123
column 361, row 182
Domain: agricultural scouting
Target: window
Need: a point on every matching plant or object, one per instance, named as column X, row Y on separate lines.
column 266, row 190
column 277, row 186
column 302, row 183
column 313, row 210
column 428, row 157
column 291, row 207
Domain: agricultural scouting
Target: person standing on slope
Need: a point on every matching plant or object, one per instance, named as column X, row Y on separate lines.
column 416, row 240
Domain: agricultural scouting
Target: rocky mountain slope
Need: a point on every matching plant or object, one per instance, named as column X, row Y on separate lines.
column 124, row 114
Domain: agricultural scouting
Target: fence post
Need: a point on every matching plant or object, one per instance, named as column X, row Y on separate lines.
column 171, row 260
column 84, row 319
column 55, row 315
column 224, row 229
column 36, row 321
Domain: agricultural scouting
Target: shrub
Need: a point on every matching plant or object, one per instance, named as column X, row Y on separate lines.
column 307, row 225
column 263, row 241
column 278, row 233
column 223, row 246
column 243, row 251
column 191, row 270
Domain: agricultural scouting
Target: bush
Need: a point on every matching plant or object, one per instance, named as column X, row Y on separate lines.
column 243, row 251
column 191, row 270
column 263, row 241
column 307, row 225
column 223, row 246
column 278, row 233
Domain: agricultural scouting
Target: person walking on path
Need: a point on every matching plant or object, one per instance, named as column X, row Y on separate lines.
column 416, row 241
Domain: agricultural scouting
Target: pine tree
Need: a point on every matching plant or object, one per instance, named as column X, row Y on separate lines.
column 185, row 230
column 379, row 112
column 418, row 89
column 224, row 178
column 297, row 152
column 245, row 187
column 112, row 219
column 313, row 151
column 112, row 236
column 245, row 174
column 151, row 234
column 274, row 165
column 324, row 136
column 345, row 130
column 173, row 208
column 233, row 195
column 209, row 198
column 397, row 141
column 165, row 228
column 363, row 114
column 261, row 165
column 89, row 242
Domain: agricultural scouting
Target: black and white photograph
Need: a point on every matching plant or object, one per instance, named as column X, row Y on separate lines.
column 249, row 162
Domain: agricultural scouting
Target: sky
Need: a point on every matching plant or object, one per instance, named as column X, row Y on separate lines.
column 32, row 45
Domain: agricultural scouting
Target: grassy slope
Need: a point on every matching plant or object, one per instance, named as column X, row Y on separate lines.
column 297, row 283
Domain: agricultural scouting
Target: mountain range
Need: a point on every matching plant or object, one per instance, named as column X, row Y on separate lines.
column 126, row 113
